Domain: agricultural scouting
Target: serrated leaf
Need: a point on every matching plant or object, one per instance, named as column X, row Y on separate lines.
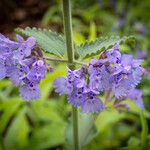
column 47, row 40
column 95, row 47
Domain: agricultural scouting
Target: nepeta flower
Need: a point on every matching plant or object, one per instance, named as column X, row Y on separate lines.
column 125, row 75
column 6, row 44
column 2, row 69
column 76, row 97
column 37, row 72
column 62, row 86
column 91, row 103
column 23, row 68
column 25, row 47
column 136, row 96
column 76, row 77
column 98, row 78
column 78, row 92
column 140, row 54
column 29, row 91
column 121, row 89
column 111, row 72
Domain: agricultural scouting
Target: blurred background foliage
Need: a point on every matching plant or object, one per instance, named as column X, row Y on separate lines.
column 42, row 124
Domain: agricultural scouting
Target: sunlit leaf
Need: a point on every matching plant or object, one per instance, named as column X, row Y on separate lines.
column 17, row 133
column 89, row 49
column 46, row 137
column 49, row 41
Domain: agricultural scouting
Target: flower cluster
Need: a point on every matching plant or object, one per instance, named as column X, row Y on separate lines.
column 114, row 72
column 19, row 62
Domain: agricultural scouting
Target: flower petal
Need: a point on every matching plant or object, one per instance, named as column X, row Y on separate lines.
column 136, row 96
column 62, row 86
column 2, row 71
column 94, row 105
column 122, row 88
column 28, row 92
column 76, row 98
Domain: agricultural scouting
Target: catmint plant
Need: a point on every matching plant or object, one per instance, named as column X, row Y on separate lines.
column 22, row 65
column 113, row 74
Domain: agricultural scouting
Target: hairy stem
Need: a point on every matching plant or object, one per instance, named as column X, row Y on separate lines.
column 75, row 128
column 64, row 61
column 70, row 53
column 56, row 60
column 68, row 29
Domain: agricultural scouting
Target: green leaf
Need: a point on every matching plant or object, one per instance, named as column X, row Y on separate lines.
column 9, row 108
column 46, row 84
column 78, row 38
column 106, row 118
column 87, row 130
column 133, row 142
column 46, row 113
column 17, row 133
column 46, row 137
column 47, row 40
column 96, row 47
column 93, row 31
column 48, row 15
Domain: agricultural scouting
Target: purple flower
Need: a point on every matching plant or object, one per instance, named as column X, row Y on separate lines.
column 79, row 94
column 6, row 44
column 125, row 76
column 137, row 75
column 37, row 72
column 29, row 92
column 76, row 77
column 31, row 79
column 25, row 47
column 62, row 86
column 2, row 69
column 120, row 23
column 76, row 97
column 112, row 71
column 99, row 78
column 136, row 96
column 75, row 80
column 122, row 88
column 21, row 66
column 113, row 55
column 91, row 103
column 140, row 54
column 15, row 75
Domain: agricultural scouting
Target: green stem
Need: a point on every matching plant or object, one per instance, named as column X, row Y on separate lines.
column 70, row 53
column 75, row 128
column 64, row 61
column 68, row 29
column 144, row 133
